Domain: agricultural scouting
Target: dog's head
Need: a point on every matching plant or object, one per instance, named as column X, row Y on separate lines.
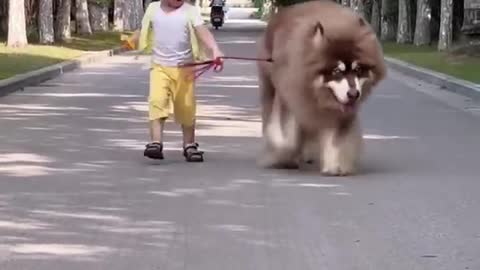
column 342, row 84
column 344, row 66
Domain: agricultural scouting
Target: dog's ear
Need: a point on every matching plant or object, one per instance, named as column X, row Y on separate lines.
column 362, row 21
column 318, row 33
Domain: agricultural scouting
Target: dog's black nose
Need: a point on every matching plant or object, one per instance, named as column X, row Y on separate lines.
column 353, row 94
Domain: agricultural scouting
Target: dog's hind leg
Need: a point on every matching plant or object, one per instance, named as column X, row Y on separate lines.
column 340, row 149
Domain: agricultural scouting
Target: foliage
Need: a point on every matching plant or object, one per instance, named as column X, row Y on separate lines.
column 258, row 3
column 460, row 65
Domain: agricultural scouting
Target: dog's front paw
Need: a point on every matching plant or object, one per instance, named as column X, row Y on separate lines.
column 338, row 170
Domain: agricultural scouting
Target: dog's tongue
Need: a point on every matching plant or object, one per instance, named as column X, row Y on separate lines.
column 348, row 108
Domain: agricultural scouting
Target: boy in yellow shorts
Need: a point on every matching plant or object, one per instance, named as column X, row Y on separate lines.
column 172, row 24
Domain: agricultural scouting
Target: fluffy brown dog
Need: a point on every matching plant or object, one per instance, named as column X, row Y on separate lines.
column 326, row 60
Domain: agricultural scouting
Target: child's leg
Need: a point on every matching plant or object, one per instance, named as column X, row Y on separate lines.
column 156, row 129
column 188, row 134
column 185, row 110
column 158, row 100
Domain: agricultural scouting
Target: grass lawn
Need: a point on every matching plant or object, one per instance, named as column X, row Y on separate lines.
column 34, row 56
column 460, row 66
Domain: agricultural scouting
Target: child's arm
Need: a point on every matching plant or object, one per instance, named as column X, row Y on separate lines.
column 207, row 38
column 143, row 32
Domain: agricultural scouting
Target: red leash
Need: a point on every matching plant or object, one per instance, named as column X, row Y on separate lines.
column 217, row 64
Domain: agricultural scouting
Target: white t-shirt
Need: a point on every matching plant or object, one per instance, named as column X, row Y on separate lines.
column 171, row 35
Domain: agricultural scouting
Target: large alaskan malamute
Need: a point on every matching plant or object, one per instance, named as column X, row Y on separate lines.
column 326, row 61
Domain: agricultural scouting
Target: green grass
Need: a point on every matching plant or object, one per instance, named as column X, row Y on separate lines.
column 34, row 56
column 466, row 67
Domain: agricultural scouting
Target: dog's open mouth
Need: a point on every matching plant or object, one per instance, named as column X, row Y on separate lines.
column 349, row 107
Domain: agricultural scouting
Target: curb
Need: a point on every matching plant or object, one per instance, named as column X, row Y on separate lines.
column 18, row 82
column 446, row 82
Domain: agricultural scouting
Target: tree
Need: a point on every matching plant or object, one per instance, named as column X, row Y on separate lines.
column 118, row 15
column 375, row 18
column 388, row 20
column 45, row 21
column 132, row 14
column 138, row 13
column 446, row 19
column 405, row 28
column 82, row 17
column 17, row 29
column 63, row 29
column 147, row 2
column 358, row 6
column 98, row 11
column 3, row 18
column 422, row 26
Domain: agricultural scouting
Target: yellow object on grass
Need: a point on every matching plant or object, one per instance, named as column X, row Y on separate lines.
column 130, row 42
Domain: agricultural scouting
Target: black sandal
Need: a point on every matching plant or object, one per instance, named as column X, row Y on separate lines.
column 192, row 154
column 154, row 150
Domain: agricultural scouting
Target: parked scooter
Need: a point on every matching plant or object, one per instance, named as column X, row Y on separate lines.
column 217, row 16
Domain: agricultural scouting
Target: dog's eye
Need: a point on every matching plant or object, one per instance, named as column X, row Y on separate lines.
column 358, row 70
column 336, row 71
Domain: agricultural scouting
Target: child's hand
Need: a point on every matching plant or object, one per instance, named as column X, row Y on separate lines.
column 217, row 53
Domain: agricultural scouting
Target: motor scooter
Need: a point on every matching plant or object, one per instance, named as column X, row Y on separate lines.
column 217, row 17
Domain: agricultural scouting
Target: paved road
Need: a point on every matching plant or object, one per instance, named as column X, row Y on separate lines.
column 76, row 192
column 240, row 13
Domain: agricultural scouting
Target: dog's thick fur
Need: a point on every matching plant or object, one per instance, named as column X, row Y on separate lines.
column 326, row 61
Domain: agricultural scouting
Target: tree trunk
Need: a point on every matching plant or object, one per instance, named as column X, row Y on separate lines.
column 138, row 14
column 3, row 17
column 422, row 25
column 98, row 17
column 82, row 17
column 268, row 9
column 367, row 10
column 147, row 2
column 45, row 22
column 63, row 31
column 457, row 22
column 133, row 13
column 375, row 21
column 404, row 31
column 118, row 15
column 446, row 18
column 17, row 29
column 388, row 19
column 31, row 16
column 358, row 6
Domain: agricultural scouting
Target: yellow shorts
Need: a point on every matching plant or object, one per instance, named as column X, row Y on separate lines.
column 172, row 86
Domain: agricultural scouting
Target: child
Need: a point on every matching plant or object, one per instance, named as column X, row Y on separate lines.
column 171, row 28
